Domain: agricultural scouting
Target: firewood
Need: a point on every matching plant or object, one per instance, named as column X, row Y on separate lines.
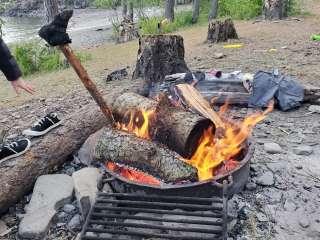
column 174, row 127
column 147, row 156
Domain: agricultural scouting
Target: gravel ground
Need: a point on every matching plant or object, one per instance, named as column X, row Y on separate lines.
column 282, row 200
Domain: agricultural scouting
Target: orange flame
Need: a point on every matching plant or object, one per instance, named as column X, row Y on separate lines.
column 212, row 152
column 138, row 123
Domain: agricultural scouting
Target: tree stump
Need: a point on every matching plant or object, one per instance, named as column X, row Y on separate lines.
column 275, row 9
column 221, row 31
column 158, row 56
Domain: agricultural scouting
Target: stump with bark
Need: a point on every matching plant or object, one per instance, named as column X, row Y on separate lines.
column 221, row 31
column 275, row 9
column 158, row 56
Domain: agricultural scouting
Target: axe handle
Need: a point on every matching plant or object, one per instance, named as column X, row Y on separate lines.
column 87, row 82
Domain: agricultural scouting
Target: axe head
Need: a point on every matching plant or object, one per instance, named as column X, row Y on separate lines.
column 55, row 33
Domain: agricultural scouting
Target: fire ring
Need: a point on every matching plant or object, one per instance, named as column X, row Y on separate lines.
column 208, row 188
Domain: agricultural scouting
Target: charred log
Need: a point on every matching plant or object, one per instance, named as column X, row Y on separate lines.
column 180, row 130
column 221, row 31
column 149, row 157
column 158, row 56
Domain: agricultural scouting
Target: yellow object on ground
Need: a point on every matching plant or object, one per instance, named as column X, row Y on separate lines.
column 233, row 46
column 273, row 50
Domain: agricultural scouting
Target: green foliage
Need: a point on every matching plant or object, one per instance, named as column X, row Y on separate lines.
column 34, row 57
column 1, row 25
column 150, row 25
column 111, row 4
column 240, row 9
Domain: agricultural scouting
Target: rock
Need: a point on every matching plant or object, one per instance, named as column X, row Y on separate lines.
column 218, row 55
column 262, row 217
column 251, row 186
column 303, row 150
column 75, row 223
column 86, row 152
column 117, row 75
column 3, row 227
column 266, row 179
column 304, row 222
column 314, row 108
column 85, row 183
column 289, row 206
column 272, row 148
column 69, row 208
column 50, row 193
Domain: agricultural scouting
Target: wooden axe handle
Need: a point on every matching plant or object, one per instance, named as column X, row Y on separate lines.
column 87, row 82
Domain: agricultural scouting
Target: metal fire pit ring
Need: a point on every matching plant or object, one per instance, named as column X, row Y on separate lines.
column 237, row 178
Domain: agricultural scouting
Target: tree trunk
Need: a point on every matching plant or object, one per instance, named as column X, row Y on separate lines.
column 124, row 8
column 275, row 9
column 52, row 9
column 196, row 11
column 147, row 156
column 169, row 10
column 52, row 150
column 214, row 10
column 221, row 31
column 158, row 56
column 180, row 130
column 131, row 13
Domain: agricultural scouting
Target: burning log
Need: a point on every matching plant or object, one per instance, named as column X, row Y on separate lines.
column 149, row 157
column 180, row 130
column 158, row 56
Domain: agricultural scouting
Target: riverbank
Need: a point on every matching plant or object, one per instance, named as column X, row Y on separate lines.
column 288, row 207
column 296, row 55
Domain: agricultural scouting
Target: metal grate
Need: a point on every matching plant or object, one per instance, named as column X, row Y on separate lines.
column 132, row 216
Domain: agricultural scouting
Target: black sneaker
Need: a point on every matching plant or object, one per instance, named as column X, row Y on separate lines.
column 14, row 149
column 43, row 126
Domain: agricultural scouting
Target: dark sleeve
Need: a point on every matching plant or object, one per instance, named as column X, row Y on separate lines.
column 8, row 64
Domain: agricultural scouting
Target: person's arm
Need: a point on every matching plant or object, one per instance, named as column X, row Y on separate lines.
column 11, row 70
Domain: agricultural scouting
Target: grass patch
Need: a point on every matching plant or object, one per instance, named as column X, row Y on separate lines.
column 150, row 25
column 34, row 57
column 112, row 4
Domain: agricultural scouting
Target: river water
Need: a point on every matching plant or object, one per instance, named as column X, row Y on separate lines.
column 82, row 27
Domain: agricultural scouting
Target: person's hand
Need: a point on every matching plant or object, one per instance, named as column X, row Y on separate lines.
column 21, row 84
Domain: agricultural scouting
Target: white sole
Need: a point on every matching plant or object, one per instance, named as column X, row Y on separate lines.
column 31, row 133
column 18, row 154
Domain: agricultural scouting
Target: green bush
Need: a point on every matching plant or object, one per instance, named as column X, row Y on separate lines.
column 34, row 57
column 150, row 25
column 240, row 9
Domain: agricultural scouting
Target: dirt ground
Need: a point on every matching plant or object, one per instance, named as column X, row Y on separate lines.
column 288, row 208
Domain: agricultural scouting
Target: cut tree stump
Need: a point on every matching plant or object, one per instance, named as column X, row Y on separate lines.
column 221, row 31
column 275, row 9
column 158, row 56
column 147, row 156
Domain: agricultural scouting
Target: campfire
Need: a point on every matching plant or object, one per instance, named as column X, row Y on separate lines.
column 212, row 156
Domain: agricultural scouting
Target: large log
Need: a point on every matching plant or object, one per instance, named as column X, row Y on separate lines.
column 158, row 56
column 180, row 130
column 147, row 156
column 275, row 9
column 18, row 175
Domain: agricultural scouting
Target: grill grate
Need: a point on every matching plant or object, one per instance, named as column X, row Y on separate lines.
column 126, row 216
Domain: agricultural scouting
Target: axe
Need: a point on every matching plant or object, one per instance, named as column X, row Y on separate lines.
column 55, row 34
